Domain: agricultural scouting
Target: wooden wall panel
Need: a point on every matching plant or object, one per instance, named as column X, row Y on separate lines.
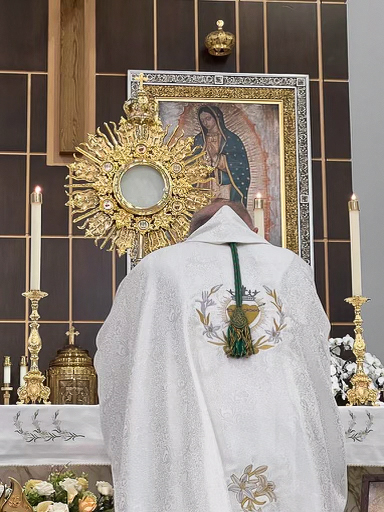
column 317, row 198
column 38, row 114
column 55, row 279
column 176, row 34
column 92, row 288
column 51, row 180
column 251, row 24
column 111, row 92
column 320, row 271
column 23, row 35
column 124, row 35
column 337, row 124
column 339, row 192
column 335, row 41
column 12, row 278
column 292, row 38
column 315, row 119
column 340, row 281
column 209, row 13
column 13, row 112
column 12, row 194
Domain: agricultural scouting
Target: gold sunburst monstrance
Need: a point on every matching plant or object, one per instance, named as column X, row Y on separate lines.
column 104, row 182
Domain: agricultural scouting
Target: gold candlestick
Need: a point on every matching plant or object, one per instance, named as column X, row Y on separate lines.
column 360, row 394
column 7, row 388
column 33, row 390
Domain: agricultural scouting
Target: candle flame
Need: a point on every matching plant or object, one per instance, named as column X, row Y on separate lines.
column 258, row 195
column 37, row 189
column 354, row 197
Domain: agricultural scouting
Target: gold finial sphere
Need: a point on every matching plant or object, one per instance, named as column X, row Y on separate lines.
column 220, row 24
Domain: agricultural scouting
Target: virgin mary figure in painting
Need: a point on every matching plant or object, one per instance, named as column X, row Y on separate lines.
column 225, row 152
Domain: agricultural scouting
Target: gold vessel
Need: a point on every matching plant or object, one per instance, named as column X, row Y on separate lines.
column 71, row 375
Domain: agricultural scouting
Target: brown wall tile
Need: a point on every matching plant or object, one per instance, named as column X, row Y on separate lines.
column 176, row 34
column 12, row 195
column 317, row 201
column 251, row 37
column 13, row 112
column 292, row 38
column 53, row 338
column 111, row 92
column 209, row 13
column 339, row 331
column 340, row 281
column 320, row 271
column 121, row 269
column 87, row 336
column 335, row 40
column 39, row 113
column 124, row 35
column 339, row 191
column 337, row 125
column 23, row 35
column 315, row 120
column 92, row 281
column 12, row 278
column 52, row 180
column 54, row 278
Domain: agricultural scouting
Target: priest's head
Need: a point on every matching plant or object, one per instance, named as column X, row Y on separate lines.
column 203, row 215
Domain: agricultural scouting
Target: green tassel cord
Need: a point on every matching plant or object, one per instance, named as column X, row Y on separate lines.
column 239, row 340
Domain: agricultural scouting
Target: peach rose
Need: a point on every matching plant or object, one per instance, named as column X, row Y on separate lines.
column 87, row 504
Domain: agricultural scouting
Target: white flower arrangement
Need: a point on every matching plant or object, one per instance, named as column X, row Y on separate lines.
column 343, row 368
column 104, row 488
column 44, row 488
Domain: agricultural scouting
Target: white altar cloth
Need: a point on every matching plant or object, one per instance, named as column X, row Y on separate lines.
column 34, row 435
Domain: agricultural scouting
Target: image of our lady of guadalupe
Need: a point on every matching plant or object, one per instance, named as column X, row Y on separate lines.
column 225, row 152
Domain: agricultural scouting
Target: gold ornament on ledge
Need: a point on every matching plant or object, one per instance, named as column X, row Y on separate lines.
column 361, row 393
column 136, row 187
column 33, row 390
column 220, row 43
column 71, row 375
column 13, row 499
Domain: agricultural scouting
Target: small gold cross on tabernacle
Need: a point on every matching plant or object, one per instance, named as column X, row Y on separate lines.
column 141, row 79
column 71, row 335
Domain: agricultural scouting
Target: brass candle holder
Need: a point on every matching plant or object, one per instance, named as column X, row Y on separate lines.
column 33, row 390
column 360, row 393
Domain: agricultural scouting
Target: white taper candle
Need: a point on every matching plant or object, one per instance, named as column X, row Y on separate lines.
column 354, row 227
column 258, row 214
column 23, row 369
column 36, row 201
column 7, row 369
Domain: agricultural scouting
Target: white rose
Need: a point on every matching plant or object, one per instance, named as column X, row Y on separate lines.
column 44, row 488
column 58, row 507
column 44, row 506
column 380, row 381
column 72, row 487
column 104, row 488
column 348, row 341
column 369, row 359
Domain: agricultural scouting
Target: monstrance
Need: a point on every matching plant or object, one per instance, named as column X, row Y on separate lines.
column 136, row 187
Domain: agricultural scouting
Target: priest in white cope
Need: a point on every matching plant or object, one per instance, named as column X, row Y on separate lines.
column 202, row 411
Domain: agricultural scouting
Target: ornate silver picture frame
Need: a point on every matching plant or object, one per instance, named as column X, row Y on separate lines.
column 255, row 132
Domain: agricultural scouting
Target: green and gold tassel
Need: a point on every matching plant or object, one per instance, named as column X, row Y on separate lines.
column 239, row 340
